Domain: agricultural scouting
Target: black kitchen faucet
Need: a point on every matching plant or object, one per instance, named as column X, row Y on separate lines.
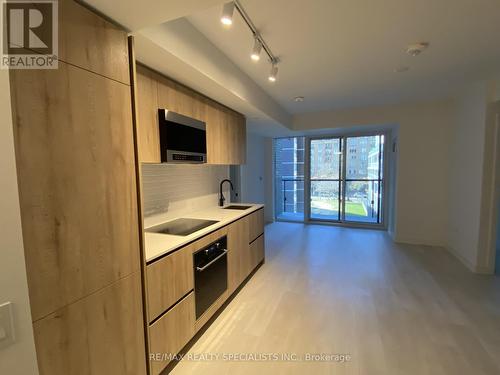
column 221, row 196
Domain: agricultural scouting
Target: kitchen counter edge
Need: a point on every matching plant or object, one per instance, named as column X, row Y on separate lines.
column 238, row 214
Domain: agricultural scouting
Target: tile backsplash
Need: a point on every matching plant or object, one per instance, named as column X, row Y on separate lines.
column 171, row 190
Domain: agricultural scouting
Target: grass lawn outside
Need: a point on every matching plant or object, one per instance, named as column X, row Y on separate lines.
column 355, row 208
column 351, row 208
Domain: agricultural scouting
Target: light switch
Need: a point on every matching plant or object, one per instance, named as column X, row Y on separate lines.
column 7, row 336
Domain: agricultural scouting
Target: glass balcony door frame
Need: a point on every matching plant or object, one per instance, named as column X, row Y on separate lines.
column 383, row 209
column 309, row 180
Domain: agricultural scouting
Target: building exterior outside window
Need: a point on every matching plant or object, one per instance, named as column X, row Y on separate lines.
column 289, row 178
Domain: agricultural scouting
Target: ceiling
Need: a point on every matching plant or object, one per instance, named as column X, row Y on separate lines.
column 342, row 53
column 135, row 15
column 338, row 54
column 168, row 43
column 179, row 51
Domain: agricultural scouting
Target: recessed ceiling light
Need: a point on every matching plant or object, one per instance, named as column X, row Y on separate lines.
column 298, row 99
column 401, row 69
column 416, row 49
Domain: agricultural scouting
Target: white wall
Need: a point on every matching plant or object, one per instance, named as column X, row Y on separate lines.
column 421, row 201
column 444, row 172
column 490, row 190
column 19, row 358
column 255, row 175
column 466, row 170
column 269, row 179
column 472, row 169
column 252, row 173
column 496, row 89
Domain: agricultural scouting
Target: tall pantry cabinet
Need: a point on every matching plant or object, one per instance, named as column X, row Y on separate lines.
column 78, row 195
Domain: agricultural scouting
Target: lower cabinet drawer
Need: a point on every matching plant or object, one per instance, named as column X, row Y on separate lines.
column 256, row 252
column 170, row 333
column 169, row 279
column 255, row 224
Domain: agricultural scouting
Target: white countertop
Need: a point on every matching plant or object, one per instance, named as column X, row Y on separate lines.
column 157, row 244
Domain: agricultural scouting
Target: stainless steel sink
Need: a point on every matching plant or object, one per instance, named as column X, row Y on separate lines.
column 237, row 207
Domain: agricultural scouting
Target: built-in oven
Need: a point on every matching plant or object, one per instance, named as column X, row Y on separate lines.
column 210, row 274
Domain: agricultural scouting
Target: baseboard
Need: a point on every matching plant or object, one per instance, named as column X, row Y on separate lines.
column 391, row 234
column 417, row 241
column 461, row 259
column 471, row 267
column 481, row 270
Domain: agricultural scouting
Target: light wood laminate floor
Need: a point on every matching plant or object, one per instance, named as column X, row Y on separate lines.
column 396, row 309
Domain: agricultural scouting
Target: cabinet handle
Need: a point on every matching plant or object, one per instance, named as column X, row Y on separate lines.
column 199, row 269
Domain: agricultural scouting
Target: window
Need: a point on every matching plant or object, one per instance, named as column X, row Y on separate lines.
column 345, row 179
column 363, row 189
column 289, row 178
column 355, row 197
column 325, row 181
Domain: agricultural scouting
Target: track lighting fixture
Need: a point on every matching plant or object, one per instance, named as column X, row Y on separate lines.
column 257, row 47
column 273, row 75
column 259, row 42
column 227, row 14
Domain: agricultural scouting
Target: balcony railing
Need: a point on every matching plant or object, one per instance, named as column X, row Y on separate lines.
column 290, row 190
column 286, row 181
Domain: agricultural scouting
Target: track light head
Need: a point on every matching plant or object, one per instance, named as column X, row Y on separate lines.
column 227, row 14
column 273, row 75
column 257, row 47
column 259, row 42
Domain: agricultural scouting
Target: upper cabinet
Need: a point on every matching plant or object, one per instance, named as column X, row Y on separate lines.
column 226, row 136
column 91, row 42
column 148, row 136
column 226, row 129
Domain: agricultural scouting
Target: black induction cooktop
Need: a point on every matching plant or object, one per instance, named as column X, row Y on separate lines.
column 181, row 227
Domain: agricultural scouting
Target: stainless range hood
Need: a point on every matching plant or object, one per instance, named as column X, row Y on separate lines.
column 182, row 139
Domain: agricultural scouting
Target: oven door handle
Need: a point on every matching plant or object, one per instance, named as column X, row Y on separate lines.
column 200, row 269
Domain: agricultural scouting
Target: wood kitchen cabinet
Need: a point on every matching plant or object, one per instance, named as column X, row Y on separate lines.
column 255, row 239
column 246, row 247
column 238, row 253
column 172, row 295
column 171, row 332
column 226, row 136
column 91, row 42
column 255, row 224
column 256, row 252
column 178, row 98
column 75, row 160
column 226, row 129
column 174, row 270
column 100, row 334
column 147, row 112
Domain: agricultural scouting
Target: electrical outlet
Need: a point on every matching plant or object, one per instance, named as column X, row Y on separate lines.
column 7, row 336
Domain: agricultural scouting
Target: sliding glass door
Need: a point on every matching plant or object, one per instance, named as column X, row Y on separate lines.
column 364, row 179
column 325, row 179
column 346, row 179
